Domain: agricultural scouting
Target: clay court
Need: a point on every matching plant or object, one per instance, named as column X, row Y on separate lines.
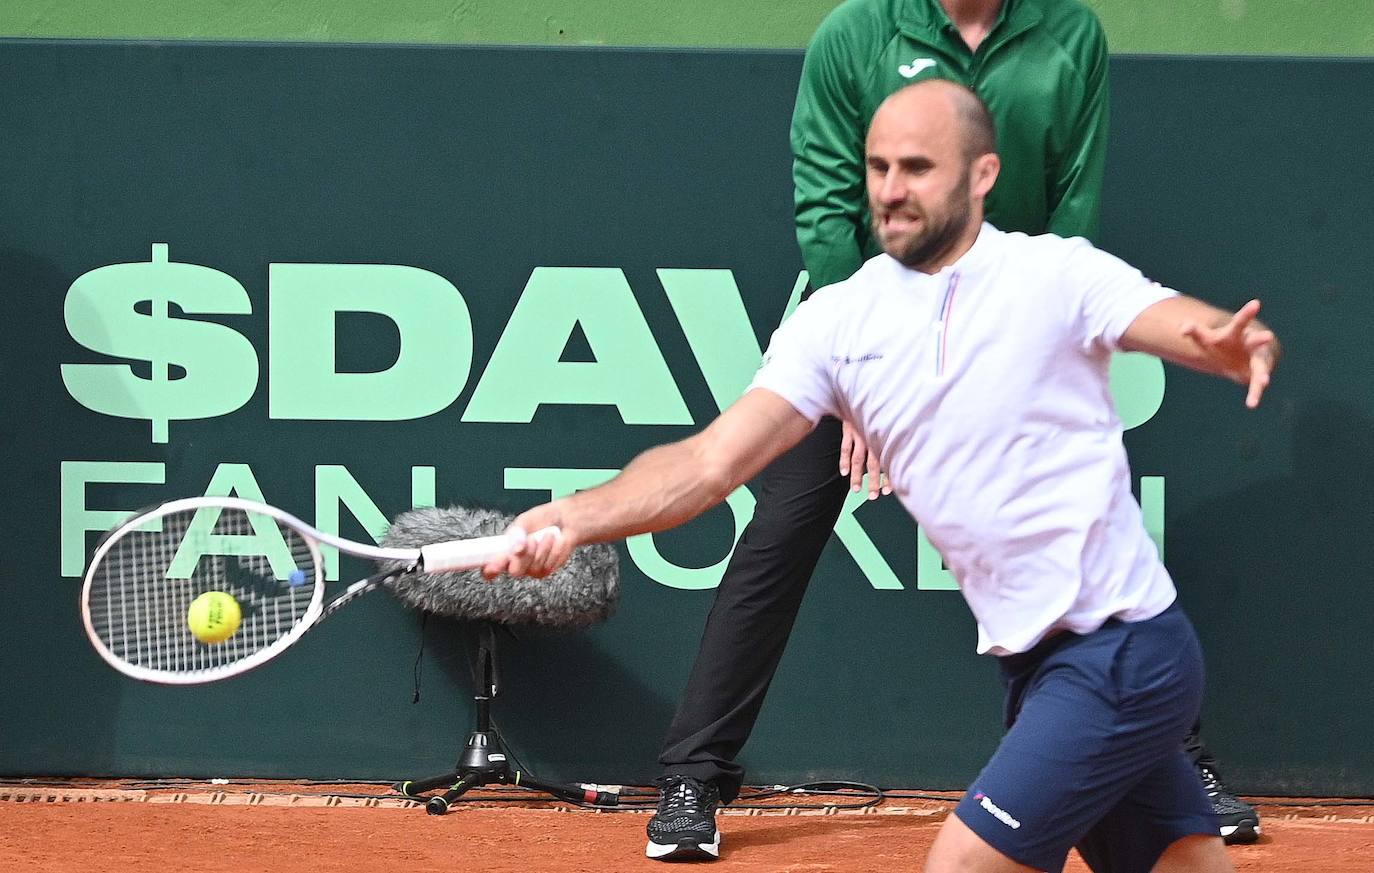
column 96, row 827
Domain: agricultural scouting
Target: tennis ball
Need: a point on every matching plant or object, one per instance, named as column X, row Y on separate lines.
column 213, row 617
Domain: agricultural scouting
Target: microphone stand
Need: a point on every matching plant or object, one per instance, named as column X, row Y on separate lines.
column 483, row 760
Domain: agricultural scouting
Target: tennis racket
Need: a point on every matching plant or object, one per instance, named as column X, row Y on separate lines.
column 145, row 573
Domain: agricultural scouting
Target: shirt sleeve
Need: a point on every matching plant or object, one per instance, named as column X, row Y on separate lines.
column 1110, row 294
column 796, row 365
column 1076, row 192
column 827, row 159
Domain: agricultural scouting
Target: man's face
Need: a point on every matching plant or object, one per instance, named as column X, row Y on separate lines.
column 918, row 182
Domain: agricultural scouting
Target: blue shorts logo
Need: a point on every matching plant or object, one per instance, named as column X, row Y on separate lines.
column 996, row 811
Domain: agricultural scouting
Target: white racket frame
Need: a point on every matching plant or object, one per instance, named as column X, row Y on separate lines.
column 437, row 558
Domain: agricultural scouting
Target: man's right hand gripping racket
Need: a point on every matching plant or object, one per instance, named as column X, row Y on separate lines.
column 138, row 592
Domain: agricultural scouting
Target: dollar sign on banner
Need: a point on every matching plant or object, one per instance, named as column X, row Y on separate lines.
column 197, row 369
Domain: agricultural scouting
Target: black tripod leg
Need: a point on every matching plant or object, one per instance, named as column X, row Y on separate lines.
column 420, row 786
column 439, row 803
column 564, row 791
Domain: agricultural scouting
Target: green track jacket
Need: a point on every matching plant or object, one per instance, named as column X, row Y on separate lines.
column 1042, row 70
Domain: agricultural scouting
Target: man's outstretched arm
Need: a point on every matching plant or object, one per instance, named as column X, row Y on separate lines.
column 662, row 487
column 1195, row 334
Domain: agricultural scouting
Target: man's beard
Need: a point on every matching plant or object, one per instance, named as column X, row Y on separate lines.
column 937, row 238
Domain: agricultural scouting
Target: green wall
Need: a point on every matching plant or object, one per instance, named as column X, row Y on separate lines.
column 619, row 222
column 1207, row 27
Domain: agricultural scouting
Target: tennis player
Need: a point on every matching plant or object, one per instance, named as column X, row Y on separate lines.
column 976, row 362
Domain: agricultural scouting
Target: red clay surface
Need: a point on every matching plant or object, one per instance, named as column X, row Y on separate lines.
column 201, row 832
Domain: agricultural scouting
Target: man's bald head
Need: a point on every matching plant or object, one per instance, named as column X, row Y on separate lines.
column 931, row 159
column 940, row 101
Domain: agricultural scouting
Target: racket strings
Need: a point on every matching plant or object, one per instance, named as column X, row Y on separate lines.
column 141, row 592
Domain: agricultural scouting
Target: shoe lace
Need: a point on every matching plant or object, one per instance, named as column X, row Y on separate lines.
column 1223, row 801
column 683, row 794
column 1211, row 782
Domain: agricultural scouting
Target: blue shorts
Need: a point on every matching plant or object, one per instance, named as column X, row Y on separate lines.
column 1093, row 757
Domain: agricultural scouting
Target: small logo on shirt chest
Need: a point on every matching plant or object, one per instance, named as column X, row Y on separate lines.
column 913, row 69
column 856, row 359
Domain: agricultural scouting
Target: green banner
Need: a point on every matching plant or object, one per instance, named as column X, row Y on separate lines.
column 352, row 280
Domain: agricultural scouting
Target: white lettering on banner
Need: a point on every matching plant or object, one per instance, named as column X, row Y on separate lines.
column 337, row 489
column 145, row 312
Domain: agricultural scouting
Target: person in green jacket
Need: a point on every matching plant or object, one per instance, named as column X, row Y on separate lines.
column 1041, row 68
column 1039, row 65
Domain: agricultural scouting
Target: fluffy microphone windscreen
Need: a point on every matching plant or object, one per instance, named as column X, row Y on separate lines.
column 581, row 592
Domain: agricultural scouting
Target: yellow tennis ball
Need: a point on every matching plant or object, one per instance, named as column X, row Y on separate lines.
column 214, row 616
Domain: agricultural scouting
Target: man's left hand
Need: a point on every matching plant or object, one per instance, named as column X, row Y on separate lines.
column 856, row 459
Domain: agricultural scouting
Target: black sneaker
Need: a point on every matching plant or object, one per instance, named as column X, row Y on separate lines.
column 1239, row 821
column 684, row 828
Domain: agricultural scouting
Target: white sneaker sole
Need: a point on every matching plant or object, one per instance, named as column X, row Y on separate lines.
column 685, row 850
column 1250, row 835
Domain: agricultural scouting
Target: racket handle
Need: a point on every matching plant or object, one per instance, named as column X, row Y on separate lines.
column 468, row 554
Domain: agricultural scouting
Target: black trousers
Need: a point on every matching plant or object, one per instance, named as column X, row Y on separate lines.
column 755, row 608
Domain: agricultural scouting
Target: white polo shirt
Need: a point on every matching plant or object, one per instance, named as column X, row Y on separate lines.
column 984, row 390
